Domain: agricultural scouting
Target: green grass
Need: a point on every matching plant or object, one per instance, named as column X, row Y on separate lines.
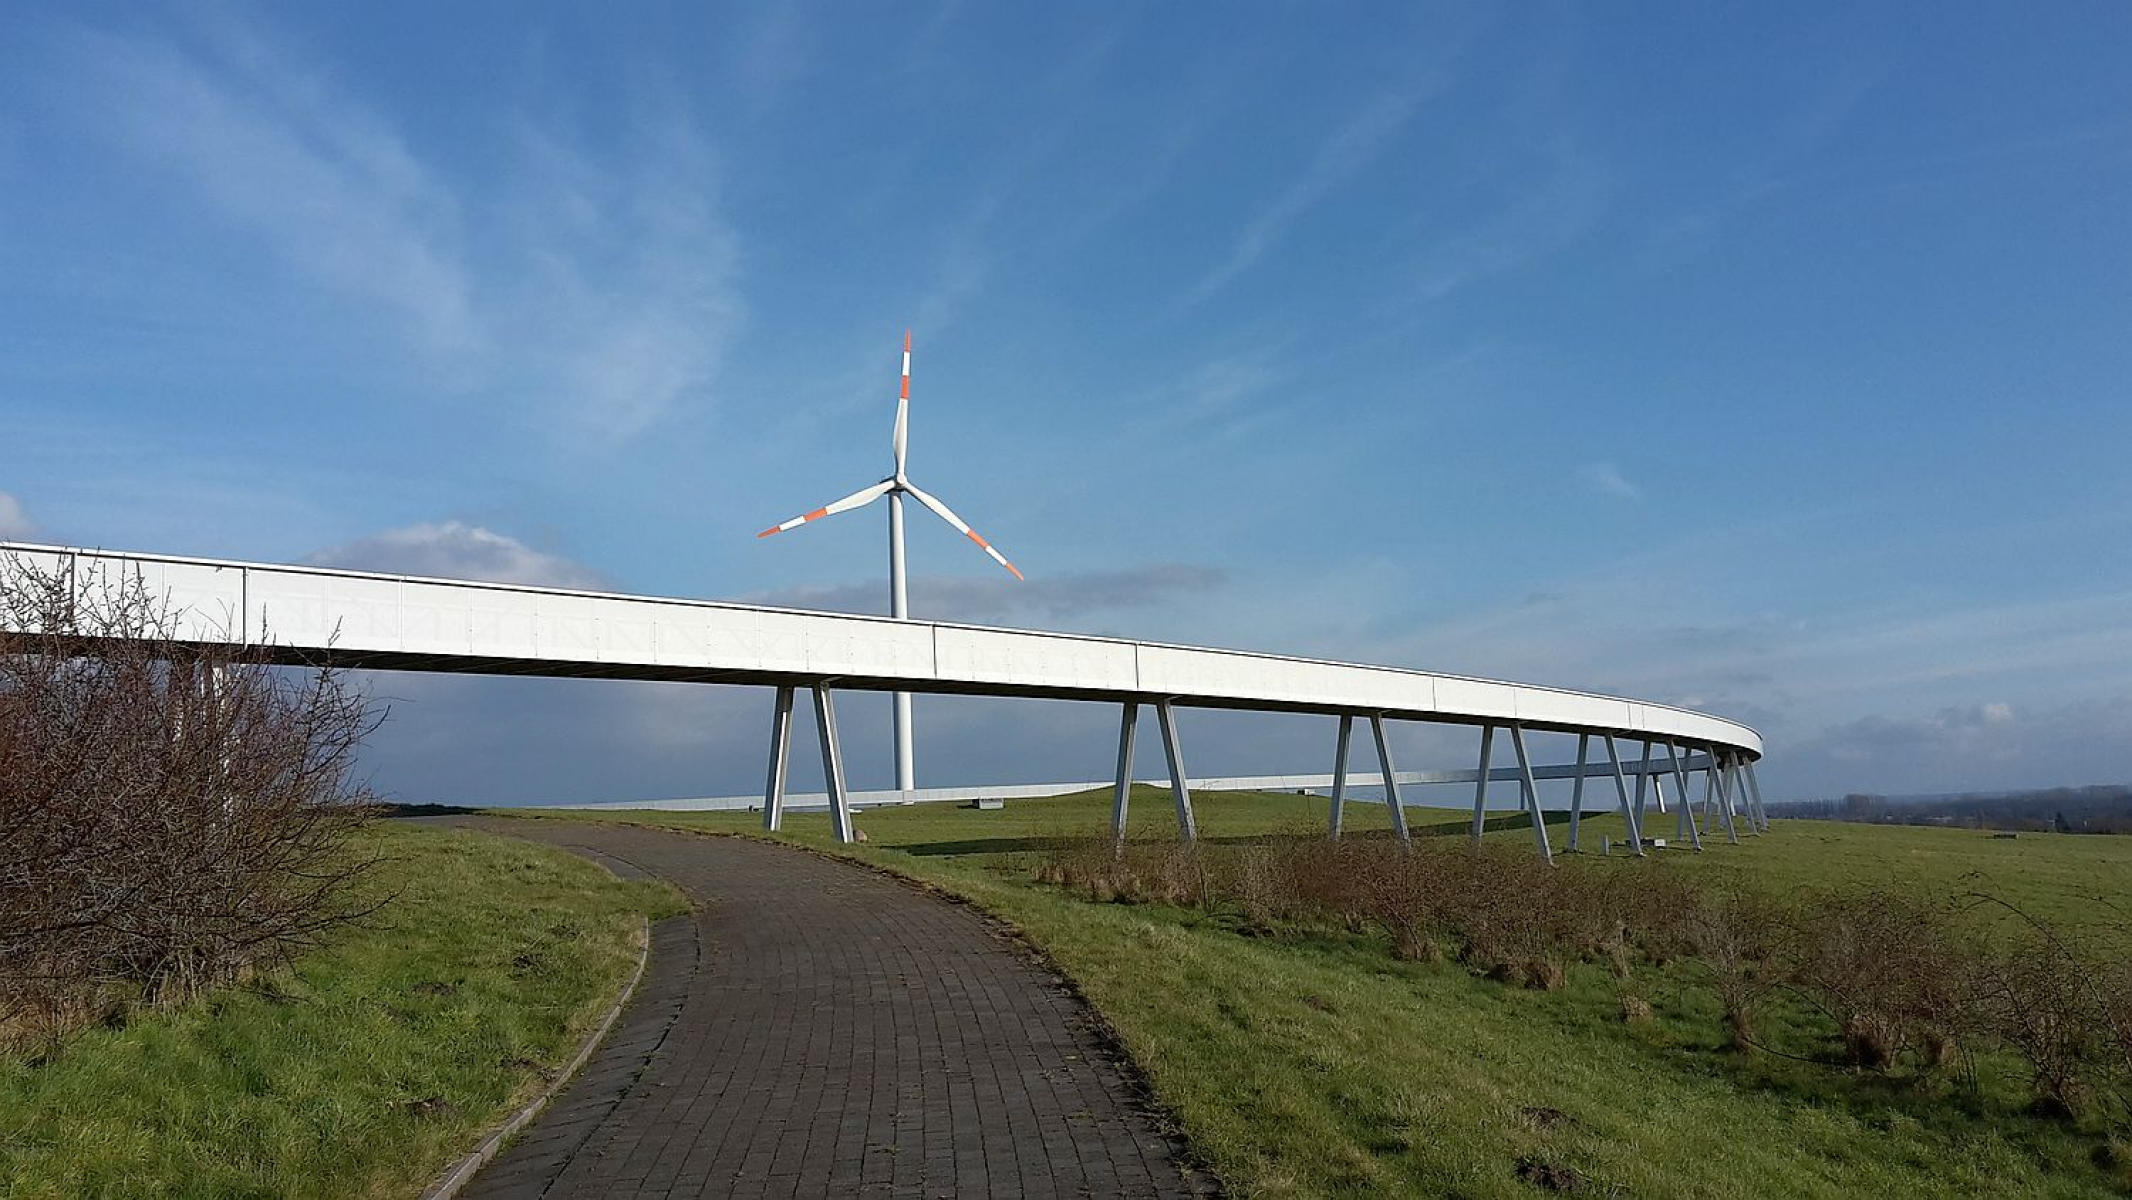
column 1315, row 1063
column 361, row 1069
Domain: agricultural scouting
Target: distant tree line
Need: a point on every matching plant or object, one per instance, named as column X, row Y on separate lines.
column 2098, row 808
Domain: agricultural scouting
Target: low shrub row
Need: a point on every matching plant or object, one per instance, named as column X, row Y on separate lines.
column 1897, row 981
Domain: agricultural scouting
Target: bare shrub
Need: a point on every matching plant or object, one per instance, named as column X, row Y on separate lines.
column 1903, row 980
column 2060, row 1003
column 1740, row 937
column 1133, row 873
column 172, row 815
column 1890, row 970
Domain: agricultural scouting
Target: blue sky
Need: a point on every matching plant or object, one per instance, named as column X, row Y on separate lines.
column 1771, row 359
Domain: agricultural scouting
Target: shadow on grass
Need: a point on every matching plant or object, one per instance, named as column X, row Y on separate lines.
column 1041, row 843
column 394, row 812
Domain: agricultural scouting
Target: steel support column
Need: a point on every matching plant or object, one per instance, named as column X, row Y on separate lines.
column 773, row 797
column 1686, row 806
column 1742, row 805
column 899, row 607
column 1339, row 796
column 1643, row 782
column 1480, row 787
column 1391, row 781
column 825, row 720
column 1754, row 788
column 1576, row 795
column 1119, row 802
column 1721, row 775
column 1621, row 790
column 1186, row 827
column 1532, row 792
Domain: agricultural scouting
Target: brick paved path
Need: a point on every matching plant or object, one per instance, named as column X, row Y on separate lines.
column 816, row 1029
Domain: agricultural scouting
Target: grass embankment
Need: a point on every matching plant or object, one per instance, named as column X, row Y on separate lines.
column 362, row 1068
column 1316, row 1062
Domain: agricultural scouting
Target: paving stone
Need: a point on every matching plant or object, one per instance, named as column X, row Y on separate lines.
column 817, row 1029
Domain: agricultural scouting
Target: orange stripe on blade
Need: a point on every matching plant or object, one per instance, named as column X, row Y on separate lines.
column 906, row 387
column 906, row 341
column 816, row 515
column 972, row 535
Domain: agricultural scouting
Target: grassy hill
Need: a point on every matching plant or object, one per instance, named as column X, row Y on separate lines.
column 1308, row 1059
column 363, row 1068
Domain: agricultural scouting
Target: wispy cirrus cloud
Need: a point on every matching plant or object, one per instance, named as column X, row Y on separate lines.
column 319, row 179
column 1606, row 479
column 1551, row 203
column 594, row 290
column 1344, row 154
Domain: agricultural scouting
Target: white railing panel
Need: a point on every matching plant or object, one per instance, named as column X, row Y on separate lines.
column 1031, row 660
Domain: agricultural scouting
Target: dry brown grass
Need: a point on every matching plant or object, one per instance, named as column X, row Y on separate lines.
column 1905, row 983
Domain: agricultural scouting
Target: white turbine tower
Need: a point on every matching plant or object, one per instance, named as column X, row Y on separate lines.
column 895, row 487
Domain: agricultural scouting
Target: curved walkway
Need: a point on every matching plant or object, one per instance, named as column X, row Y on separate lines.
column 819, row 1029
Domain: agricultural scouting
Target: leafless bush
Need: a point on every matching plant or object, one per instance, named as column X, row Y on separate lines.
column 171, row 814
column 1740, row 937
column 2061, row 1003
column 1891, row 970
column 1135, row 873
column 1905, row 981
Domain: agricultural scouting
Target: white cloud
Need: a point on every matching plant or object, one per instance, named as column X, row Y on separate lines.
column 261, row 140
column 1607, row 479
column 14, row 521
column 1971, row 747
column 589, row 298
column 454, row 550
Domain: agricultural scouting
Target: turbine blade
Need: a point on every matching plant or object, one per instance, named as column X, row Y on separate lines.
column 903, row 405
column 858, row 499
column 948, row 515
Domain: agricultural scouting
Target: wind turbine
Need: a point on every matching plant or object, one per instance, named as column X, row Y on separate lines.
column 895, row 487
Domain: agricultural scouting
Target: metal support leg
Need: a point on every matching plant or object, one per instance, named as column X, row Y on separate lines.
column 1621, row 790
column 1480, row 787
column 1687, row 809
column 1710, row 793
column 1754, row 788
column 1347, row 737
column 1126, row 725
column 1740, row 799
column 1532, row 793
column 1643, row 782
column 1391, row 783
column 1186, row 827
column 1721, row 770
column 1576, row 795
column 214, row 689
column 825, row 720
column 773, row 797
